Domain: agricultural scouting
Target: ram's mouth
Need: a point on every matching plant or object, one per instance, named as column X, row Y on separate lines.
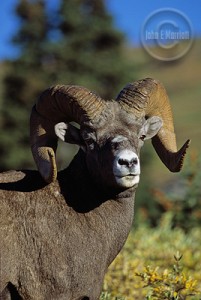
column 128, row 180
column 131, row 176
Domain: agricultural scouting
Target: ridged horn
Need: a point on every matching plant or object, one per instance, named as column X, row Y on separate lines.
column 59, row 104
column 146, row 98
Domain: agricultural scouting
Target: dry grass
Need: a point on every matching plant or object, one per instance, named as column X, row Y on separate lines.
column 148, row 259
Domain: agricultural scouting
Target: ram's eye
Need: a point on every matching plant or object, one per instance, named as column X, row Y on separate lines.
column 90, row 143
column 142, row 137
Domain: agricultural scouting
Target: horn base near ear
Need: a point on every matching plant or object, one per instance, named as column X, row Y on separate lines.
column 147, row 98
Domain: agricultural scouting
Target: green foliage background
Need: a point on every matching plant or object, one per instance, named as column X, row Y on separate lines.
column 150, row 252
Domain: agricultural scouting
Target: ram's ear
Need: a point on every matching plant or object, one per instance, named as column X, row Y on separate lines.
column 150, row 128
column 68, row 133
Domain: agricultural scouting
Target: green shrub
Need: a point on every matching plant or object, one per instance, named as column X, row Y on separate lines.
column 169, row 284
column 150, row 252
column 184, row 201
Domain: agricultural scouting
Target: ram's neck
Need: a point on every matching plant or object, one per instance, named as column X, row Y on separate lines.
column 82, row 193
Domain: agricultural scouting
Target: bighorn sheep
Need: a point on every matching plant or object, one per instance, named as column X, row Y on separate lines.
column 59, row 232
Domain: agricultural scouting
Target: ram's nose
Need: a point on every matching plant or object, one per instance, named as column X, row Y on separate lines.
column 127, row 162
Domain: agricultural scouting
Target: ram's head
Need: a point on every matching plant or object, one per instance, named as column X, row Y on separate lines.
column 111, row 132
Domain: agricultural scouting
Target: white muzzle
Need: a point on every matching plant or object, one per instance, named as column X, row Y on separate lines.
column 126, row 169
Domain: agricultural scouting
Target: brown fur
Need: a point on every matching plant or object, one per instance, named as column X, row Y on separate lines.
column 54, row 246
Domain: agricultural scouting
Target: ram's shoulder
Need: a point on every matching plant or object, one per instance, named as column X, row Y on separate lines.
column 11, row 176
column 21, row 181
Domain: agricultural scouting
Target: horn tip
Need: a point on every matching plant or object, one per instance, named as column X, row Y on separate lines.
column 45, row 161
column 178, row 158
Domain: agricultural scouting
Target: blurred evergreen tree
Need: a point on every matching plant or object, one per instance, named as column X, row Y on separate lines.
column 90, row 52
column 22, row 84
column 75, row 43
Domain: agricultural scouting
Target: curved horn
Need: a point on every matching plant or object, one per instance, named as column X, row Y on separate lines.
column 146, row 98
column 57, row 104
